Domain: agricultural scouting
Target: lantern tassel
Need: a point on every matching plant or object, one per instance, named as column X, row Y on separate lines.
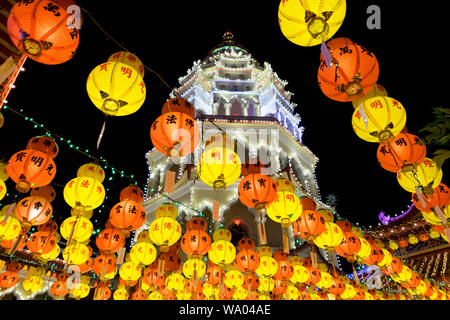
column 100, row 136
column 285, row 241
column 313, row 256
column 261, row 229
column 354, row 273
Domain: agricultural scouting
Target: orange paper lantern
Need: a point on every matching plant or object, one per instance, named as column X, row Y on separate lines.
column 44, row 144
column 257, row 190
column 179, row 105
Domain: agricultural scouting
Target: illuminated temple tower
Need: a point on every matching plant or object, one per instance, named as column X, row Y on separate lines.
column 230, row 90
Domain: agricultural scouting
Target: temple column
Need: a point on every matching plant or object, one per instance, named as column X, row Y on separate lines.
column 227, row 108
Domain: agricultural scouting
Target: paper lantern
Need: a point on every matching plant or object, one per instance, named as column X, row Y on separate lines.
column 393, row 245
column 387, row 259
column 401, row 153
column 32, row 284
column 266, row 284
column 285, row 209
column 91, row 170
column 152, row 277
column 348, row 293
column 81, row 226
column 175, row 281
column 129, row 59
column 194, row 265
column 426, row 176
column 284, row 185
column 337, row 287
column 133, row 193
column 2, row 189
column 104, row 264
column 175, row 134
column 30, row 169
column 326, row 280
column 381, row 119
column 121, row 293
column 84, row 193
column 365, row 250
column 172, row 261
column 80, row 291
column 9, row 228
column 110, row 240
column 3, row 173
column 166, row 210
column 213, row 275
column 53, row 254
column 196, row 223
column 178, row 105
column 309, row 225
column 349, row 246
column 376, row 91
column 42, row 30
column 102, row 293
column 41, row 242
column 394, row 267
column 116, row 88
column 76, row 253
column 246, row 243
column 130, row 271
column 344, row 225
column 222, row 234
column 8, row 244
column 219, row 167
column 376, row 255
column 353, row 71
column 222, row 252
column 300, row 274
column 195, row 242
column 257, row 190
column 59, row 288
column 330, row 238
column 412, row 239
column 268, row 266
column 164, row 232
column 44, row 144
column 33, row 211
column 285, row 270
column 143, row 253
column 8, row 279
column 440, row 197
column 308, row 23
column 50, row 225
column 127, row 216
column 47, row 192
column 2, row 120
column 314, row 276
column 247, row 260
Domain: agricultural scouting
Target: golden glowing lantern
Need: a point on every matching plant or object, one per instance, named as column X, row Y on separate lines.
column 219, row 167
column 234, row 279
column 130, row 271
column 330, row 238
column 268, row 266
column 365, row 250
column 285, row 209
column 284, row 185
column 92, row 170
column 143, row 253
column 84, row 193
column 393, row 245
column 80, row 291
column 53, row 254
column 426, row 176
column 82, row 228
column 175, row 281
column 164, row 232
column 121, row 293
column 3, row 173
column 266, row 284
column 33, row 284
column 222, row 234
column 434, row 234
column 239, row 293
column 291, row 293
column 377, row 91
column 326, row 214
column 192, row 266
column 116, row 88
column 404, row 275
column 129, row 59
column 308, row 23
column 9, row 228
column 381, row 119
column 349, row 292
column 222, row 252
column 412, row 239
column 433, row 218
column 301, row 274
column 166, row 210
column 210, row 290
column 295, row 260
column 326, row 281
column 2, row 189
column 76, row 253
column 387, row 259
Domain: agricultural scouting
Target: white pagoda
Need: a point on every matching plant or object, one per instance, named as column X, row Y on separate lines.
column 234, row 93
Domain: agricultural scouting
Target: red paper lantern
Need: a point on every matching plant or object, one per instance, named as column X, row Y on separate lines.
column 214, row 274
column 375, row 256
column 172, row 261
column 138, row 295
column 41, row 30
column 251, row 281
column 127, row 216
column 8, row 279
column 110, row 240
column 285, row 270
column 50, row 225
column 175, row 134
column 195, row 242
column 30, row 169
column 151, row 276
column 308, row 203
column 395, row 267
column 338, row 287
column 196, row 223
column 349, row 246
column 246, row 243
column 403, row 243
column 280, row 255
column 344, row 225
column 86, row 266
column 279, row 287
column 314, row 276
column 47, row 192
column 403, row 152
column 8, row 244
column 132, row 192
column 104, row 264
column 178, row 105
column 44, row 144
column 440, row 198
column 257, row 190
column 59, row 288
column 41, row 242
column 369, row 237
column 353, row 73
column 309, row 225
column 247, row 260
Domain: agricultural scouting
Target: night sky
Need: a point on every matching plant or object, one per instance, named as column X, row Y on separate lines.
column 168, row 36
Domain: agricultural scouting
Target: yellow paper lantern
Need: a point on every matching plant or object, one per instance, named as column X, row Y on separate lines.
column 111, row 275
column 240, row 293
column 82, row 228
column 432, row 218
column 393, row 245
column 387, row 259
column 80, row 291
column 129, row 59
column 194, row 265
column 291, row 293
column 434, row 234
column 301, row 274
column 130, row 271
column 175, row 281
column 364, row 252
column 331, row 237
column 377, row 91
column 222, row 252
column 285, row 209
column 404, row 275
column 385, row 118
column 92, row 170
column 121, row 294
column 222, row 234
column 164, row 232
column 116, row 88
column 10, row 228
column 326, row 214
column 166, row 210
column 266, row 284
column 349, row 292
column 76, row 253
column 33, row 284
column 53, row 254
column 268, row 266
column 326, row 281
column 308, row 22
column 156, row 295
column 3, row 174
column 357, row 231
column 412, row 239
column 84, row 193
column 421, row 288
column 143, row 253
column 234, row 279
column 295, row 260
column 2, row 189
column 426, row 176
column 368, row 296
column 210, row 290
column 284, row 185
column 219, row 167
